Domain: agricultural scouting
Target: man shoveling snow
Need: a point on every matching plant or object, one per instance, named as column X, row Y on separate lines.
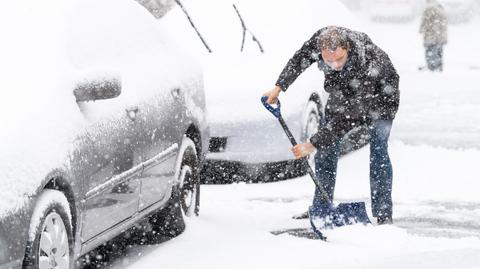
column 363, row 89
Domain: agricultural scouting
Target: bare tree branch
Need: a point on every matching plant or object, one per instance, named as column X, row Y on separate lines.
column 193, row 25
column 245, row 29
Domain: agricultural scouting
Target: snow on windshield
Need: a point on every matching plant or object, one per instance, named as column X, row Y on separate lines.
column 234, row 79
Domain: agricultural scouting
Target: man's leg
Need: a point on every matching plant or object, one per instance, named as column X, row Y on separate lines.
column 440, row 57
column 380, row 171
column 436, row 51
column 326, row 171
column 429, row 57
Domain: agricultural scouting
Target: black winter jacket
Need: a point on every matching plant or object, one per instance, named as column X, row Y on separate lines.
column 364, row 90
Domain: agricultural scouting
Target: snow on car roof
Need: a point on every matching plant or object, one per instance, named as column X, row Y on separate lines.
column 45, row 51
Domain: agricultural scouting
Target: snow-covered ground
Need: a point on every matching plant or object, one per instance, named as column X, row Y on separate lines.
column 434, row 150
column 435, row 147
column 436, row 215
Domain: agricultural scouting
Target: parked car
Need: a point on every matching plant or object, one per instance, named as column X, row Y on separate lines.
column 460, row 11
column 244, row 48
column 393, row 10
column 103, row 127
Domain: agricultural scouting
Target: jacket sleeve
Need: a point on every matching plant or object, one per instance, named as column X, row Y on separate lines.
column 301, row 60
column 387, row 94
column 422, row 23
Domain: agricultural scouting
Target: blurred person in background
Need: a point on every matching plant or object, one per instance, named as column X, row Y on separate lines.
column 433, row 27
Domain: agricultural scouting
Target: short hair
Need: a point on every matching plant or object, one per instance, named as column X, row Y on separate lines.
column 332, row 38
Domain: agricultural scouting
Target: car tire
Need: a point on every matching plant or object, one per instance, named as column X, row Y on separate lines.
column 185, row 199
column 311, row 121
column 51, row 241
column 189, row 181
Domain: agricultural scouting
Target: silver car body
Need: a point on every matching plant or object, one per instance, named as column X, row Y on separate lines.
column 115, row 159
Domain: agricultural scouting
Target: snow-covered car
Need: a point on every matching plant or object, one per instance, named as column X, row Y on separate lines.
column 243, row 48
column 393, row 10
column 103, row 127
column 460, row 11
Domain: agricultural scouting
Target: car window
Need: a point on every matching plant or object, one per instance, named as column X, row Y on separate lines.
column 33, row 95
column 227, row 31
column 128, row 46
column 116, row 47
column 246, row 22
column 96, row 41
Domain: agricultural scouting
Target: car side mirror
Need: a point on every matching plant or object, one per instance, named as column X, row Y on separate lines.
column 97, row 89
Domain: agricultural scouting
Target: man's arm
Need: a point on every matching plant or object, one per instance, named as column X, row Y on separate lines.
column 301, row 60
column 423, row 21
column 326, row 136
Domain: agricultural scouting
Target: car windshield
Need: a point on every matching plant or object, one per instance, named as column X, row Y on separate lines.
column 246, row 33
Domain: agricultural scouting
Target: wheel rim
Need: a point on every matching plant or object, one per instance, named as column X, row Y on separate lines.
column 53, row 250
column 189, row 191
column 312, row 124
column 310, row 129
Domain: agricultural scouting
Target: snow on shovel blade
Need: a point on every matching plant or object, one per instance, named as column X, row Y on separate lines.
column 326, row 216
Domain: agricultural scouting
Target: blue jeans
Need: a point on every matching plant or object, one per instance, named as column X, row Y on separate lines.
column 434, row 56
column 380, row 169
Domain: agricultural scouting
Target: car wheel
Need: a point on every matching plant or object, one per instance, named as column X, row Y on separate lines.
column 185, row 200
column 310, row 125
column 189, row 180
column 50, row 245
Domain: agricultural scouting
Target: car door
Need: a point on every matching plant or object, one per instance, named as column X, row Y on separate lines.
column 161, row 121
column 112, row 38
column 111, row 160
column 162, row 116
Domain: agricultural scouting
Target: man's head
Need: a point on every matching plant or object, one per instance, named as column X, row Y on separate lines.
column 333, row 44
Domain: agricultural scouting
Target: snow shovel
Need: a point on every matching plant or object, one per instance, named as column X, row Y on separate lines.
column 326, row 215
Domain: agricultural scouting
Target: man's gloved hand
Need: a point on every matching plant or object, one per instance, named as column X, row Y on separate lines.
column 273, row 95
column 302, row 150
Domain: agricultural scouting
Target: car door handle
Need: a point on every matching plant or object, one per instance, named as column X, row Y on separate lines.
column 132, row 112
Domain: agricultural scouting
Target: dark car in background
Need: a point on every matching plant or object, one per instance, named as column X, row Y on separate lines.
column 103, row 128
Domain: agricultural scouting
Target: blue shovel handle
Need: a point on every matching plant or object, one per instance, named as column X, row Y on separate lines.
column 278, row 115
column 274, row 110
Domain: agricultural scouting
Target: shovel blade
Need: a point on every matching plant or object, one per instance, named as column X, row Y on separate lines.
column 326, row 216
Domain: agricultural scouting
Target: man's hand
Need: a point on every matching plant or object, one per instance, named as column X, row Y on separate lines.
column 273, row 95
column 302, row 150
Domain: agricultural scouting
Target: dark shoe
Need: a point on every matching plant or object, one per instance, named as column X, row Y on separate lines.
column 303, row 215
column 384, row 220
